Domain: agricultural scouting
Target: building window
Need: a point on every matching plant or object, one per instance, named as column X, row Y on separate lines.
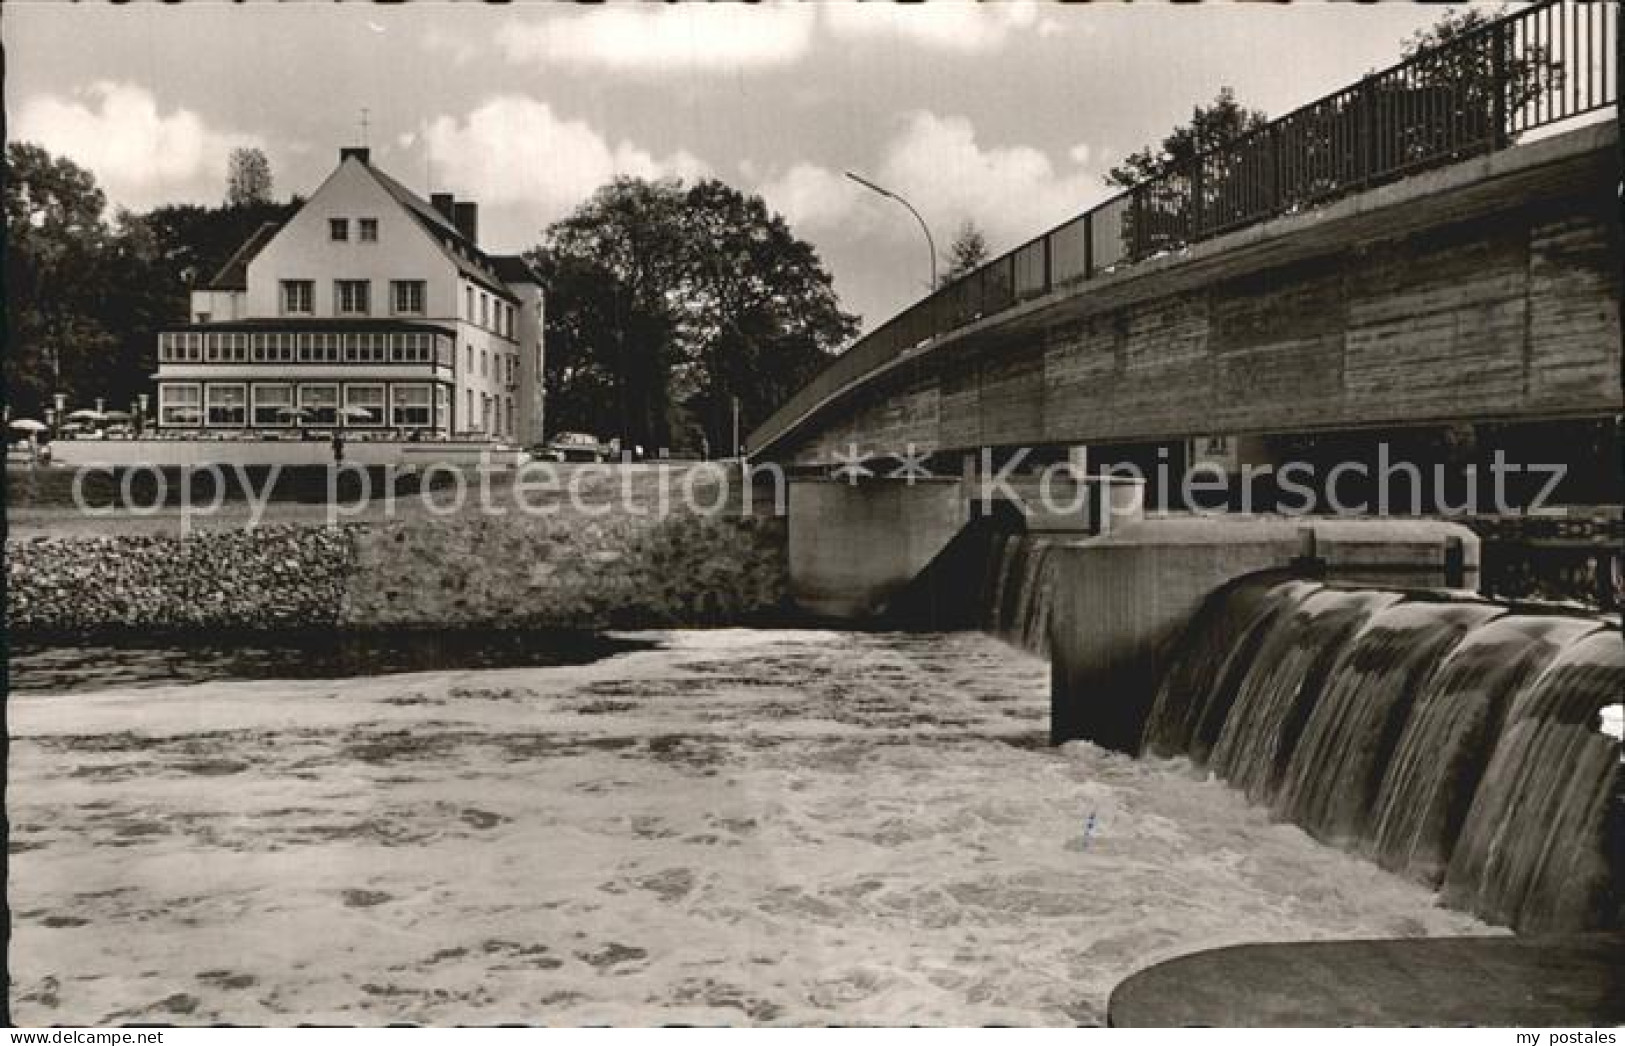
column 179, row 404
column 298, row 297
column 442, row 405
column 338, row 229
column 352, row 297
column 410, row 406
column 468, row 364
column 203, row 317
column 227, row 405
column 485, row 310
column 468, row 304
column 363, row 404
column 273, row 405
column 485, row 366
column 322, row 401
column 368, row 230
column 468, row 419
column 407, row 296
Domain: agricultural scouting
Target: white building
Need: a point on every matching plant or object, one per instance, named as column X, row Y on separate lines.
column 370, row 308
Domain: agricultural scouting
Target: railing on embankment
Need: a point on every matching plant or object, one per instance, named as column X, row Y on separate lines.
column 1479, row 92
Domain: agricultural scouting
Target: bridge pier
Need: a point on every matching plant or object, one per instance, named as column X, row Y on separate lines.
column 853, row 546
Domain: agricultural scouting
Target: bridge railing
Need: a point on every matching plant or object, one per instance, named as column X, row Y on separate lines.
column 1478, row 92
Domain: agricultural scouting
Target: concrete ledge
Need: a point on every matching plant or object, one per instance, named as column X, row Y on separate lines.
column 1561, row 982
column 1122, row 601
column 176, row 453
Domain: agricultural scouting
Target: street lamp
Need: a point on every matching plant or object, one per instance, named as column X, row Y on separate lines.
column 930, row 244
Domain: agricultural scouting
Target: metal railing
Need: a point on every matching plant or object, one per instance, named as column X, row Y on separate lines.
column 1546, row 63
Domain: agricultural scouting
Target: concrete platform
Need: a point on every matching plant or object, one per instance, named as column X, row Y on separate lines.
column 1566, row 981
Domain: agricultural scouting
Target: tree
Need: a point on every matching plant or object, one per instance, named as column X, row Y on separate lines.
column 1457, row 58
column 56, row 236
column 966, row 253
column 248, row 179
column 1212, row 125
column 665, row 302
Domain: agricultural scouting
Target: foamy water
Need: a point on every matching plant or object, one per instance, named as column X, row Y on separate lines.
column 745, row 827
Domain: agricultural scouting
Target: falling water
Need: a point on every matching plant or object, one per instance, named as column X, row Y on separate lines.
column 1331, row 781
column 1441, row 755
column 1283, row 683
column 1546, row 822
column 1020, row 587
column 1449, row 739
column 1196, row 696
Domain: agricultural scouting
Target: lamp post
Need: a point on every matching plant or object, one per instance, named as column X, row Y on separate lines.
column 930, row 244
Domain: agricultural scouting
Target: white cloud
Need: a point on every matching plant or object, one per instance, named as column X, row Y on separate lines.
column 968, row 28
column 654, row 37
column 1012, row 192
column 810, row 197
column 515, row 151
column 141, row 157
column 729, row 37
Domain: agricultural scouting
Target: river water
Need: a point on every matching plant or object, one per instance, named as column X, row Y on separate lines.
column 715, row 827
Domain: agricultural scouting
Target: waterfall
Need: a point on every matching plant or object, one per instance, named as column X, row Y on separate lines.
column 1455, row 742
column 1019, row 587
column 1440, row 758
column 1331, row 781
column 1197, row 694
column 1546, row 821
column 1283, row 682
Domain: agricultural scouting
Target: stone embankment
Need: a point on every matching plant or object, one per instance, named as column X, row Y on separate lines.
column 455, row 573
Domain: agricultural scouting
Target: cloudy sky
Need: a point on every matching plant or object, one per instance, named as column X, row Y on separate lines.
column 1005, row 113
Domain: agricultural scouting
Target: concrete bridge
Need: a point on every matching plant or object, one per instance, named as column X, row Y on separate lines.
column 1437, row 244
column 1483, row 289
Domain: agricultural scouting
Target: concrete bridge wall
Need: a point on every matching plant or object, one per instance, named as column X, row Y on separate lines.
column 1487, row 290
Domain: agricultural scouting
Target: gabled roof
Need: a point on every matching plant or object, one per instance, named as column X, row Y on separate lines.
column 233, row 276
column 472, row 262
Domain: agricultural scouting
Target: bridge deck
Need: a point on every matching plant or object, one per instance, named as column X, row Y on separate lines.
column 1566, row 981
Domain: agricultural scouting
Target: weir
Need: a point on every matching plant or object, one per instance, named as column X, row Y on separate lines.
column 1454, row 740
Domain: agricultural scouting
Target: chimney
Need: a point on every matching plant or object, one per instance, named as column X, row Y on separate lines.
column 355, row 151
column 442, row 203
column 466, row 216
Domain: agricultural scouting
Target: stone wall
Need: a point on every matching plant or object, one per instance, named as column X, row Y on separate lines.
column 272, row 577
column 567, row 572
column 472, row 572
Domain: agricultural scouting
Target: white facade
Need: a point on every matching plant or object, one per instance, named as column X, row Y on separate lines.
column 369, row 309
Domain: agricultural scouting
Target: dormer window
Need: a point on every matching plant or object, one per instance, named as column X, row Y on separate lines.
column 338, row 229
column 368, row 230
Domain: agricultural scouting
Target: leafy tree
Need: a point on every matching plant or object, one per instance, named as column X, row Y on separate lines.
column 966, row 253
column 1460, row 63
column 1221, row 121
column 55, row 234
column 85, row 297
column 248, row 180
column 665, row 302
column 760, row 315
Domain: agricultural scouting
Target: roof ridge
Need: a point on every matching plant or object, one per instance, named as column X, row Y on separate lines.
column 464, row 253
column 223, row 279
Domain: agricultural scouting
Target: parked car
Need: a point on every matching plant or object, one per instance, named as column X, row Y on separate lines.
column 572, row 446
